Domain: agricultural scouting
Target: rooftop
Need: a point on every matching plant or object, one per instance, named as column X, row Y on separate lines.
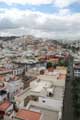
column 28, row 115
column 4, row 106
column 57, row 95
column 57, row 80
column 47, row 114
column 42, row 91
column 2, row 78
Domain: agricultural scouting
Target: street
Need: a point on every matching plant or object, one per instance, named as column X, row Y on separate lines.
column 67, row 103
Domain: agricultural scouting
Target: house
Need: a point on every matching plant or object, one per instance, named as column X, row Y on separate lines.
column 14, row 87
column 18, row 71
column 5, row 108
column 3, row 92
column 56, row 76
column 4, row 70
column 77, row 70
column 24, row 114
column 48, row 113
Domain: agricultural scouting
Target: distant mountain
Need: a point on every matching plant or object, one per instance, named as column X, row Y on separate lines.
column 8, row 38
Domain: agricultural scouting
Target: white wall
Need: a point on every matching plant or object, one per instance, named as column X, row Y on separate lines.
column 10, row 108
column 33, row 84
column 53, row 79
column 55, row 104
column 21, row 105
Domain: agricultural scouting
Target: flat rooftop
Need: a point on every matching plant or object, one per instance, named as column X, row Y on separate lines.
column 41, row 89
column 47, row 114
column 57, row 95
column 55, row 79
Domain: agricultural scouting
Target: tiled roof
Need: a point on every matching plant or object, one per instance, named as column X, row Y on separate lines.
column 28, row 115
column 1, row 78
column 4, row 106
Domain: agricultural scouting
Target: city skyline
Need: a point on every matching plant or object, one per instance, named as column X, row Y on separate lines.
column 57, row 19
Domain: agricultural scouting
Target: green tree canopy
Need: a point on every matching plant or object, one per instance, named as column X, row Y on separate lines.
column 49, row 64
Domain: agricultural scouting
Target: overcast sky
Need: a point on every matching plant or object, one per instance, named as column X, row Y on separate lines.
column 58, row 19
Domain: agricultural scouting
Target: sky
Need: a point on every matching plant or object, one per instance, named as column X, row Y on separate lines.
column 57, row 19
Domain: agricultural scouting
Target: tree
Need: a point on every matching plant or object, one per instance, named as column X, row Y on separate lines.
column 54, row 66
column 62, row 63
column 49, row 64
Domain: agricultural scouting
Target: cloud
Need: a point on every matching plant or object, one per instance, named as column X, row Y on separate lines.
column 65, row 3
column 57, row 3
column 60, row 25
column 5, row 23
column 34, row 2
column 64, row 12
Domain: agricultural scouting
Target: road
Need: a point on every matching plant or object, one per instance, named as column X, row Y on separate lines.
column 68, row 109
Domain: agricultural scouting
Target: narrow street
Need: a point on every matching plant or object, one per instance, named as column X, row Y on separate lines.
column 68, row 109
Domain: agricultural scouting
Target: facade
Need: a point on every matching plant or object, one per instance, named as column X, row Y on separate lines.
column 14, row 87
column 5, row 108
column 77, row 71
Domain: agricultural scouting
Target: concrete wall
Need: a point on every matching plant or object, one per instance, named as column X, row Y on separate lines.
column 55, row 104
